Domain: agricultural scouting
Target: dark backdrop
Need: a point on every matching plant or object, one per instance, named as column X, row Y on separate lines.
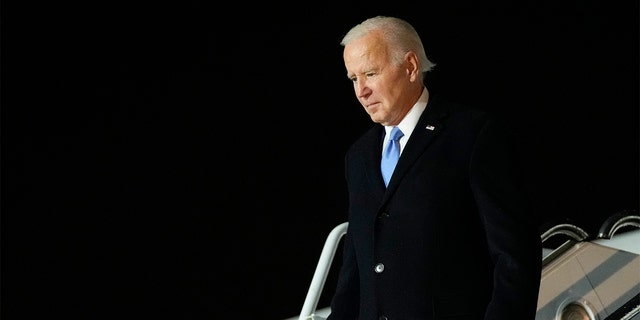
column 184, row 160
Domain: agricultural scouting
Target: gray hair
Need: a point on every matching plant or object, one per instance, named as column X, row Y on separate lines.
column 400, row 36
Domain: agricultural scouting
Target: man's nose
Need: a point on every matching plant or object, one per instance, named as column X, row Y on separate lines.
column 361, row 88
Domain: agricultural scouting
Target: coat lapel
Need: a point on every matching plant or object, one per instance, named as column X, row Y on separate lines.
column 430, row 124
column 428, row 127
column 373, row 143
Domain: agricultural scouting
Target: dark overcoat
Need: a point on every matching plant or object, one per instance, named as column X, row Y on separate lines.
column 452, row 237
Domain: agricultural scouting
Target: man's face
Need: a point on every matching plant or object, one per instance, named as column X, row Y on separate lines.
column 380, row 84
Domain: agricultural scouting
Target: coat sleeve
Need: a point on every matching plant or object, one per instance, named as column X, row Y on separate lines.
column 510, row 227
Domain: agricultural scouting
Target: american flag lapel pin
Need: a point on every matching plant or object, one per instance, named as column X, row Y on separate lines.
column 430, row 127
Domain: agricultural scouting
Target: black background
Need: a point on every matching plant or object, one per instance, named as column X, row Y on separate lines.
column 184, row 160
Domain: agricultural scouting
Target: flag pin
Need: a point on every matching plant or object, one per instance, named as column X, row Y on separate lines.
column 430, row 127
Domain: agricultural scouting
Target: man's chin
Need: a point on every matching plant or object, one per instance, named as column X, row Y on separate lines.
column 375, row 118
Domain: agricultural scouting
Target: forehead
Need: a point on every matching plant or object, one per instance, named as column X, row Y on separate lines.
column 365, row 53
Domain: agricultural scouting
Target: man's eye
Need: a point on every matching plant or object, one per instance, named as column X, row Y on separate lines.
column 369, row 75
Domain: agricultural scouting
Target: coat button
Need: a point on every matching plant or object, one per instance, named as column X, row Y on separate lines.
column 384, row 215
column 379, row 268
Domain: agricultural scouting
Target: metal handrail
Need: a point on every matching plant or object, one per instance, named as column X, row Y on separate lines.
column 575, row 233
column 568, row 229
column 322, row 270
column 616, row 222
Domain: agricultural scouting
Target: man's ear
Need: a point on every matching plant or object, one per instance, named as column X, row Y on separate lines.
column 411, row 61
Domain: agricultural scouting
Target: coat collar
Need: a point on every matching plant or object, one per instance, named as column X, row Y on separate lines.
column 428, row 127
column 431, row 122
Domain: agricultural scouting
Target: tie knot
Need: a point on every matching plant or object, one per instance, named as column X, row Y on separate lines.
column 395, row 134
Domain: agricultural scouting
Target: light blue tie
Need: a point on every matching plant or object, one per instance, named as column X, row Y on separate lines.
column 391, row 154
